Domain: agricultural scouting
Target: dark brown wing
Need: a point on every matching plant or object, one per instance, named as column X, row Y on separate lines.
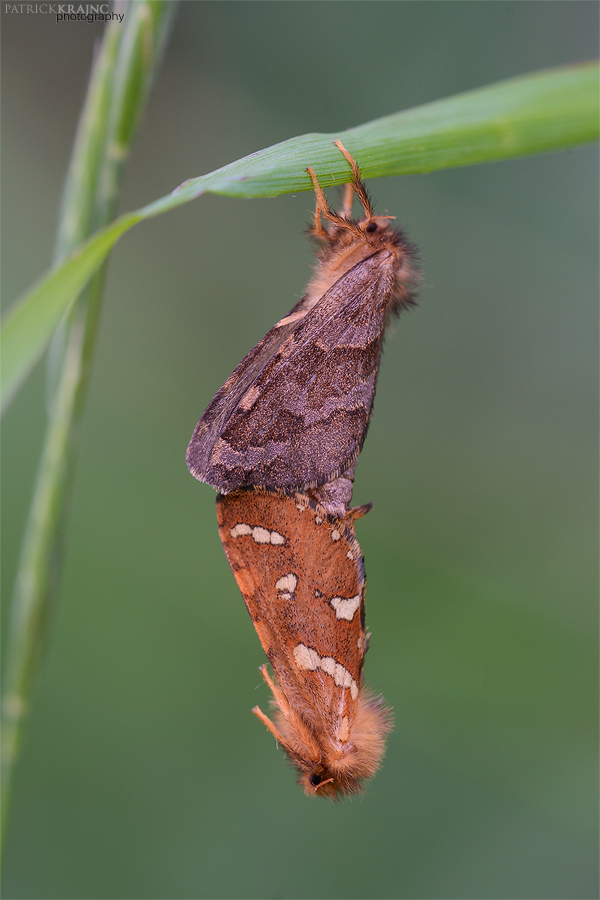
column 294, row 414
column 223, row 404
column 302, row 579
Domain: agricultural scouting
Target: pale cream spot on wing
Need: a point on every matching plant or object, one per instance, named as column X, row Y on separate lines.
column 342, row 676
column 240, row 529
column 287, row 583
column 345, row 609
column 299, row 507
column 335, row 535
column 359, row 643
column 318, row 520
column 328, row 665
column 306, row 658
column 261, row 535
column 350, row 554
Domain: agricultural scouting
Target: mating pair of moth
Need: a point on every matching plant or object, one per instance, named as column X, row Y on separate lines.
column 280, row 441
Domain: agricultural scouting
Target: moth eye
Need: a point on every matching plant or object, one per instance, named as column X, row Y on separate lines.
column 314, row 779
column 371, row 227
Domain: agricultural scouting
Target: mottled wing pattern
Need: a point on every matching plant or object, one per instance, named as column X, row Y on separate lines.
column 302, row 578
column 299, row 419
column 228, row 397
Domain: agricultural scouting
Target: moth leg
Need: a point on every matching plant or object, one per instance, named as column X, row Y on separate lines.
column 357, row 185
column 357, row 512
column 323, row 211
column 346, row 210
column 322, row 208
column 322, row 784
column 277, row 694
column 266, row 721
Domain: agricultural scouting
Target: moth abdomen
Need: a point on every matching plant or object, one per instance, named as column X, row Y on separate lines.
column 301, row 573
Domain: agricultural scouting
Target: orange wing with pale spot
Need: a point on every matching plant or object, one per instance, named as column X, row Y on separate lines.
column 302, row 577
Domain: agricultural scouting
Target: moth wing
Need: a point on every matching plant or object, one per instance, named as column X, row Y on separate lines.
column 301, row 419
column 220, row 408
column 304, row 589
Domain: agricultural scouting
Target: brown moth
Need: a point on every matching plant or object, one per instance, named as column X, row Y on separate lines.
column 301, row 573
column 295, row 412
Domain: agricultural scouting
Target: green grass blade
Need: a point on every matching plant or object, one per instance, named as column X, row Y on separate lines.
column 538, row 113
column 31, row 322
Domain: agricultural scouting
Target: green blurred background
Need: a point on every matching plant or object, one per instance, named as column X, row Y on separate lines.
column 143, row 772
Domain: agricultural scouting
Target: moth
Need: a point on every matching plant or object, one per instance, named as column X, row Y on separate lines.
column 301, row 573
column 294, row 413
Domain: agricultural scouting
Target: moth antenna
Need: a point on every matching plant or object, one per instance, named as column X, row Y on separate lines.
column 357, row 185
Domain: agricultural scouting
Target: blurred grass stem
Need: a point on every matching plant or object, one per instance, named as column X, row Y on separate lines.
column 120, row 81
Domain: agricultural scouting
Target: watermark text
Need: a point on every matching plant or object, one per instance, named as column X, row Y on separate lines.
column 66, row 12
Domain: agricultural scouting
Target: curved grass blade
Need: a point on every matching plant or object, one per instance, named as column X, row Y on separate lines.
column 537, row 113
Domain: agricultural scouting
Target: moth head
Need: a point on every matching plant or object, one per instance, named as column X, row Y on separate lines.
column 371, row 232
column 374, row 226
column 346, row 242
